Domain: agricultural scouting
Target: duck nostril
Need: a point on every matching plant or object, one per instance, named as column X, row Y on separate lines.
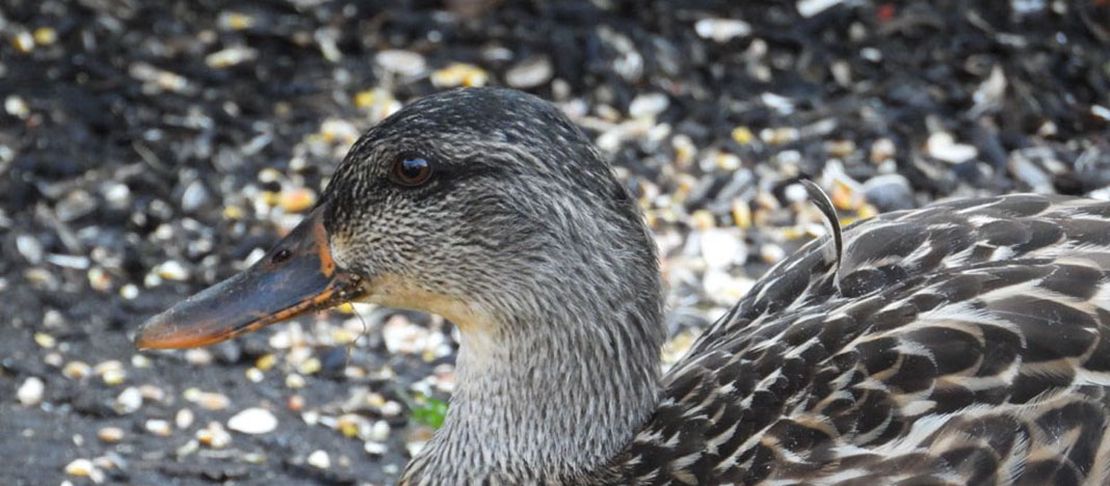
column 281, row 256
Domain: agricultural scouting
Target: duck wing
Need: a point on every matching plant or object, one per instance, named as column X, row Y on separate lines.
column 967, row 343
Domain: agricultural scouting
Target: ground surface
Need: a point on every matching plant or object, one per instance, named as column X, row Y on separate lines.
column 148, row 149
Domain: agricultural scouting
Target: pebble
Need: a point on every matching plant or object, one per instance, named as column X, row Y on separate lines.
column 152, row 393
column 129, row 291
column 319, row 459
column 253, row 421
column 722, row 247
column 75, row 262
column 742, row 135
column 378, row 102
column 391, row 409
column 727, row 162
column 771, row 253
column 30, row 392
column 196, row 197
column 309, row 366
column 648, row 105
column 379, row 431
column 530, row 73
column 183, row 419
column 840, row 148
column 255, row 375
column 109, row 461
column 722, row 30
column 1029, row 173
column 809, row 8
column 297, row 200
column 113, row 377
column 294, row 381
column 99, row 279
column 159, row 427
column 76, row 370
column 84, row 468
column 45, row 340
column 295, row 403
column 214, row 436
column 207, row 400
column 230, row 57
column 265, row 362
column 30, row 248
column 140, row 361
column 375, row 448
column 460, row 74
column 172, row 270
column 128, row 401
column 334, row 130
column 889, row 192
column 23, row 42
column 54, row 319
column 54, row 360
column 110, row 435
column 76, row 204
column 198, row 356
column 235, row 21
column 158, row 79
column 1101, row 111
column 403, row 337
column 16, row 106
column 943, row 146
column 415, row 446
column 882, row 150
column 779, row 136
column 684, row 150
column 352, row 425
column 405, row 63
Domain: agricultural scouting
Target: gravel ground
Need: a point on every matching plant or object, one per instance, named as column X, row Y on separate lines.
column 148, row 149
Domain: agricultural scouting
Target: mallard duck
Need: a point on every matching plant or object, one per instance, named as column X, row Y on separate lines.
column 967, row 342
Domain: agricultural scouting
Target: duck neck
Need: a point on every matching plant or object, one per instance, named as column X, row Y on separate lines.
column 553, row 391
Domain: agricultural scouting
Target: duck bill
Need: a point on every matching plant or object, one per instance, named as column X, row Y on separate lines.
column 297, row 276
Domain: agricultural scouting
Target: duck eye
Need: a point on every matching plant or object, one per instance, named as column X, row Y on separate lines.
column 281, row 256
column 411, row 171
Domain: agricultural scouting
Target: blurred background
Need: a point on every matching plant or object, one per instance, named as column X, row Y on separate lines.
column 149, row 149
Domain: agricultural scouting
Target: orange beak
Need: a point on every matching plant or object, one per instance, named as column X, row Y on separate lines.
column 297, row 276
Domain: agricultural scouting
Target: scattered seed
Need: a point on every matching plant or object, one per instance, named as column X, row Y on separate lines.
column 128, row 401
column 84, row 468
column 110, row 435
column 214, row 436
column 319, row 459
column 253, row 421
column 405, row 63
column 30, row 392
column 183, row 419
column 530, row 73
column 460, row 74
column 297, row 200
column 294, row 381
column 76, row 370
column 159, row 427
column 722, row 30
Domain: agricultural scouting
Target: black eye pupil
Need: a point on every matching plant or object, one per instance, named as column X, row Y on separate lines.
column 281, row 256
column 412, row 171
column 413, row 168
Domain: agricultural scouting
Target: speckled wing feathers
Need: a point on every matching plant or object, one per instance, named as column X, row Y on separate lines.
column 968, row 343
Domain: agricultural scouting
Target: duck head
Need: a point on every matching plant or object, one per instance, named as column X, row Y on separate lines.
column 491, row 209
column 473, row 204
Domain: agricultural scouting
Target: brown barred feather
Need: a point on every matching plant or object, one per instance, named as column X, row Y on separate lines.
column 969, row 343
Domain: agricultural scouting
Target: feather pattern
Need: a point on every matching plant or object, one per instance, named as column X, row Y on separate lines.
column 968, row 343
